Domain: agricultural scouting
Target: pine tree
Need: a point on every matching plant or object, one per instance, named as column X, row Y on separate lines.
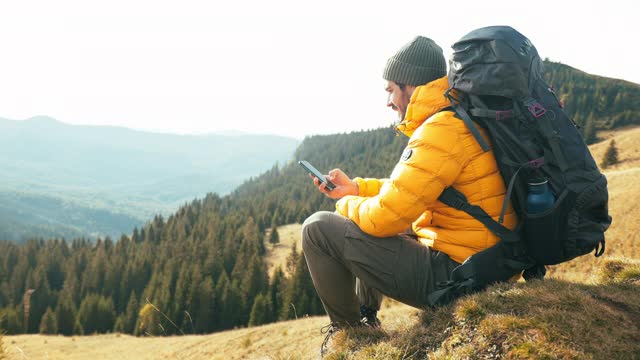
column 87, row 314
column 106, row 315
column 119, row 326
column 274, row 237
column 229, row 302
column 610, row 155
column 93, row 277
column 48, row 325
column 255, row 279
column 131, row 315
column 40, row 299
column 77, row 328
column 301, row 297
column 11, row 321
column 275, row 219
column 181, row 301
column 261, row 312
column 277, row 290
column 205, row 302
column 589, row 130
column 292, row 260
column 96, row 314
column 65, row 315
column 219, row 304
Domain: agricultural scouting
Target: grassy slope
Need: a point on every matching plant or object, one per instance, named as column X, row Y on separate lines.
column 540, row 320
column 579, row 313
column 295, row 339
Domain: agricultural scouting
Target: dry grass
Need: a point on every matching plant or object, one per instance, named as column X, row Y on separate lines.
column 277, row 253
column 538, row 320
column 295, row 339
column 628, row 148
column 619, row 271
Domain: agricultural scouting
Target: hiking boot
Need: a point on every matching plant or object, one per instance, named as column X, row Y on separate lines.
column 327, row 344
column 369, row 317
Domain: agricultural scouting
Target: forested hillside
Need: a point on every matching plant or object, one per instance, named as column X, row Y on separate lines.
column 202, row 269
column 594, row 102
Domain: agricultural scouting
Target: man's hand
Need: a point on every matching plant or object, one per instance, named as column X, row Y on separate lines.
column 344, row 185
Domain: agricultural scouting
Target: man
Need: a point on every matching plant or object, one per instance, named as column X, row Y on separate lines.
column 393, row 235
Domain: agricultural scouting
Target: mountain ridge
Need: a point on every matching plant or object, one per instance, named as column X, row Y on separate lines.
column 124, row 171
column 596, row 76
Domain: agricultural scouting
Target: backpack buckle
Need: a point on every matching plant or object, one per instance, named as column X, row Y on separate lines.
column 503, row 114
column 535, row 108
column 536, row 163
column 458, row 204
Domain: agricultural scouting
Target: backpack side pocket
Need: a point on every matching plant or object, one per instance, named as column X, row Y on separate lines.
column 546, row 233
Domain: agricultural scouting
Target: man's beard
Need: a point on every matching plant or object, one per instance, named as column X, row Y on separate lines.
column 400, row 118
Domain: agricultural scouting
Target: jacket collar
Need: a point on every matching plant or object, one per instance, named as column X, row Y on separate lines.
column 426, row 101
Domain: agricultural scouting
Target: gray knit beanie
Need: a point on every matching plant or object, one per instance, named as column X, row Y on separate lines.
column 417, row 63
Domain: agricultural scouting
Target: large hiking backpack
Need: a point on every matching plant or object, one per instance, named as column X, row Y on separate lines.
column 496, row 82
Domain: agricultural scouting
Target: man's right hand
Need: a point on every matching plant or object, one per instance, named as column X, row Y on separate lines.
column 344, row 185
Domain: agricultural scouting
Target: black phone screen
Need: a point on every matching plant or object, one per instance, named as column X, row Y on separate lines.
column 313, row 171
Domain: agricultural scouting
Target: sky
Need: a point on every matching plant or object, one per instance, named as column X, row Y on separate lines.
column 294, row 68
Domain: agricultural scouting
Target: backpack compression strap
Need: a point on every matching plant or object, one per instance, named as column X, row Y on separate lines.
column 538, row 113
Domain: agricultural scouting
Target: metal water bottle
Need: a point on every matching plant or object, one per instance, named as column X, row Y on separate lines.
column 540, row 197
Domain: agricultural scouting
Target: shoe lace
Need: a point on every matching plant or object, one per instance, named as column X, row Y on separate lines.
column 329, row 330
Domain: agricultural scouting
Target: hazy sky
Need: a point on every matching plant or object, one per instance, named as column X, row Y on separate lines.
column 293, row 68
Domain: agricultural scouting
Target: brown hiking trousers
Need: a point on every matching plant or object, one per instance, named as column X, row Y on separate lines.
column 350, row 268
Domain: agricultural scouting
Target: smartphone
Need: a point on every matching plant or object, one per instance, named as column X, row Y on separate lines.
column 313, row 171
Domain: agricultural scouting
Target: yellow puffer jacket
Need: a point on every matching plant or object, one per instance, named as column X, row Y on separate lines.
column 441, row 152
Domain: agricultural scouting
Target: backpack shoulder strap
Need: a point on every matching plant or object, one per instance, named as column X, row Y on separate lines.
column 462, row 114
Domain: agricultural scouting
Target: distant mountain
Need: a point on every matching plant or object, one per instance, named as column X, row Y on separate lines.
column 230, row 133
column 25, row 216
column 128, row 174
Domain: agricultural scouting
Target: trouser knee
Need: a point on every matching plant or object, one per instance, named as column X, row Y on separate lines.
column 315, row 229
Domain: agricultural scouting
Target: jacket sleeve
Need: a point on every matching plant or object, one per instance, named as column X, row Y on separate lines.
column 369, row 187
column 432, row 160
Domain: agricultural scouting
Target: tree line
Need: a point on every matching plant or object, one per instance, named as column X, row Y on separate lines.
column 194, row 273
